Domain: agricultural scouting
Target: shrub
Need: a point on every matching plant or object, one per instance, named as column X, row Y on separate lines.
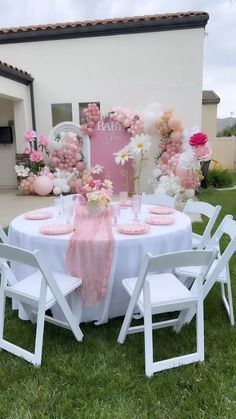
column 218, row 179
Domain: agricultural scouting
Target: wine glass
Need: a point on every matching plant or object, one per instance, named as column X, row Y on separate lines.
column 136, row 206
column 115, row 211
column 68, row 212
column 123, row 195
column 58, row 204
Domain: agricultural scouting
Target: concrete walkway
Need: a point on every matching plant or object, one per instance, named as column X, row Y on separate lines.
column 13, row 204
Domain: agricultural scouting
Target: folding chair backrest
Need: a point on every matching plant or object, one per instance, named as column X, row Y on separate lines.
column 209, row 211
column 159, row 199
column 3, row 235
column 169, row 261
column 227, row 226
column 34, row 259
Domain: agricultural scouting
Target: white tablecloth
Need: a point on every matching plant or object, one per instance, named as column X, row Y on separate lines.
column 128, row 254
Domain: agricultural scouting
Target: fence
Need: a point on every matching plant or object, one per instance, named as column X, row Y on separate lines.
column 224, row 151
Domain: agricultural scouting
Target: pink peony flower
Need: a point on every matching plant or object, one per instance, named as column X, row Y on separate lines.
column 198, row 139
column 30, row 135
column 36, row 156
column 203, row 152
column 43, row 141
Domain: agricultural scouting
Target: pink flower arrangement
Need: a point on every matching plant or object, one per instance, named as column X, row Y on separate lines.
column 201, row 149
column 35, row 151
column 94, row 192
column 198, row 139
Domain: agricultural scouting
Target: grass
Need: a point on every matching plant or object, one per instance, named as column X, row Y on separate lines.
column 99, row 378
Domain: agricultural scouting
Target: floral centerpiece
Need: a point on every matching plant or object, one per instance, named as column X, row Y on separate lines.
column 93, row 193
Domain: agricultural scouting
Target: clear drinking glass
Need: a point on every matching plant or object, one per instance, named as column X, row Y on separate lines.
column 136, row 206
column 68, row 212
column 58, row 204
column 115, row 211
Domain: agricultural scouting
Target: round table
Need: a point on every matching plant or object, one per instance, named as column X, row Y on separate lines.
column 127, row 257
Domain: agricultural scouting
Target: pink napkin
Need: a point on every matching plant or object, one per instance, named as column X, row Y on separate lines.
column 90, row 251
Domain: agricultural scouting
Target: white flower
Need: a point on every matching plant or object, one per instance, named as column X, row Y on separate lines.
column 187, row 160
column 140, row 143
column 157, row 172
column 122, row 156
column 96, row 169
column 22, row 171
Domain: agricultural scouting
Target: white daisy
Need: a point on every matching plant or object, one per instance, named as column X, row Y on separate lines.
column 122, row 156
column 96, row 169
column 140, row 143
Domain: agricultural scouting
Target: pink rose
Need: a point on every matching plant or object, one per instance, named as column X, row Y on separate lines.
column 26, row 150
column 30, row 135
column 36, row 156
column 43, row 141
column 198, row 139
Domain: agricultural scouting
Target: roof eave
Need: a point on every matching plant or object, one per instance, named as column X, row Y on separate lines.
column 108, row 29
column 13, row 74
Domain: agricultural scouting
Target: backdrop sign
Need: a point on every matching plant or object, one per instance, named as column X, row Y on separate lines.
column 109, row 137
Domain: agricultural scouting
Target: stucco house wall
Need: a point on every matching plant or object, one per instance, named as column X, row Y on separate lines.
column 131, row 70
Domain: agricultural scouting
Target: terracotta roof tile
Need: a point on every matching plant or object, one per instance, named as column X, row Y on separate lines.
column 103, row 22
column 15, row 73
column 8, row 66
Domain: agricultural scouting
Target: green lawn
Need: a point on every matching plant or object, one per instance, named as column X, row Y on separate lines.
column 99, row 378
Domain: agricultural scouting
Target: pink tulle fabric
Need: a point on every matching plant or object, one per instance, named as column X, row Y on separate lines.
column 90, row 251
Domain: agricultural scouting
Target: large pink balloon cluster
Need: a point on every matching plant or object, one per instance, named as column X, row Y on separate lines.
column 69, row 156
column 170, row 130
column 131, row 120
column 90, row 116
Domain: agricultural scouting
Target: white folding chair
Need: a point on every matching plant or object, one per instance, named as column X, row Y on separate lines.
column 211, row 212
column 159, row 199
column 37, row 292
column 162, row 293
column 3, row 235
column 219, row 271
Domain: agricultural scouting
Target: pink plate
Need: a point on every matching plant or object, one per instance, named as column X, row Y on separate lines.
column 160, row 220
column 132, row 228
column 162, row 210
column 54, row 229
column 38, row 215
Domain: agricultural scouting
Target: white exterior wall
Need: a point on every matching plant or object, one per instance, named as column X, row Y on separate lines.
column 129, row 70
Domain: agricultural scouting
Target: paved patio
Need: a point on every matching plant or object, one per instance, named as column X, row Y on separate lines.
column 13, row 204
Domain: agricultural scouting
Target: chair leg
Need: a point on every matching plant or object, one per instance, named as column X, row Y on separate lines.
column 200, row 330
column 126, row 322
column 148, row 335
column 2, row 307
column 40, row 325
column 228, row 302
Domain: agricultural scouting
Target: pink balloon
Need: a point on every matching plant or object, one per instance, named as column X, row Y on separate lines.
column 165, row 157
column 42, row 185
column 80, row 166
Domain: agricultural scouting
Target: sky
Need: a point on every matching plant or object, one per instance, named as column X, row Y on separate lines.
column 219, row 61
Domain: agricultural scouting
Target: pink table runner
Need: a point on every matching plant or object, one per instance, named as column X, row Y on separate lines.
column 90, row 251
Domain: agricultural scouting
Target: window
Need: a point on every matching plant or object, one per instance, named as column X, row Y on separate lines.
column 61, row 112
column 84, row 105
